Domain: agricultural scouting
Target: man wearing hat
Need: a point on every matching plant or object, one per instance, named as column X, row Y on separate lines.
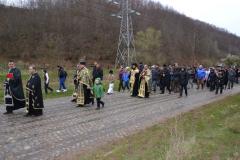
column 84, row 90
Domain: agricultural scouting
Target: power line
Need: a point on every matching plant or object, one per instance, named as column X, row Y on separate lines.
column 126, row 53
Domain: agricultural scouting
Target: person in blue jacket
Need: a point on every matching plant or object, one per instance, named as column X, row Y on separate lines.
column 200, row 76
column 125, row 79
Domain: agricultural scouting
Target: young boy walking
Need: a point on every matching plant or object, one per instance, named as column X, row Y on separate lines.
column 98, row 92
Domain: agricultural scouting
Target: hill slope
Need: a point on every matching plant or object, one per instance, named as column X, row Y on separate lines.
column 65, row 30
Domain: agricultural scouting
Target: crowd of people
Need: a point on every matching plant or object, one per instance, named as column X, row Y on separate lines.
column 176, row 79
column 139, row 80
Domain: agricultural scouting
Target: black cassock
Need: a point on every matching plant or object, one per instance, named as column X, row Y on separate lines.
column 14, row 88
column 136, row 85
column 34, row 95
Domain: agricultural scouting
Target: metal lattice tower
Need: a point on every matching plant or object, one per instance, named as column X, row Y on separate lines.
column 126, row 49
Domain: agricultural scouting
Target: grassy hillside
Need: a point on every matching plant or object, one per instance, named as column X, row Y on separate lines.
column 54, row 32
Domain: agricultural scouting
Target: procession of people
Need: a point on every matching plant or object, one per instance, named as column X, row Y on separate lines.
column 141, row 80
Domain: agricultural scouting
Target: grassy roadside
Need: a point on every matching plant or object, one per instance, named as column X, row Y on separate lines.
column 211, row 132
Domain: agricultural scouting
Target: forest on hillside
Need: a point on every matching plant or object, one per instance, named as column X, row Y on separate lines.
column 66, row 30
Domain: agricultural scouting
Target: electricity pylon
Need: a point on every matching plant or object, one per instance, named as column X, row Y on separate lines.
column 126, row 49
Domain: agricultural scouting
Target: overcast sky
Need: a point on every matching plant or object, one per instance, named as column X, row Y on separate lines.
column 222, row 13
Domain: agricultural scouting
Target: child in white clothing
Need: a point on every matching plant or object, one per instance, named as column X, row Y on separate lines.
column 111, row 82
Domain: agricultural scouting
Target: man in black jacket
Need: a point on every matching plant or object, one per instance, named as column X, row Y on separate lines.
column 212, row 77
column 183, row 80
column 97, row 72
column 62, row 74
column 220, row 81
column 165, row 80
column 46, row 82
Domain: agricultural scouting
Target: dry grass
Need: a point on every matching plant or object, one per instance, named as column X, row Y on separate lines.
column 208, row 133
